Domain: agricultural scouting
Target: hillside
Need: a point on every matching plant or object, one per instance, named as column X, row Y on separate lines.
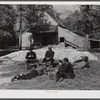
column 14, row 64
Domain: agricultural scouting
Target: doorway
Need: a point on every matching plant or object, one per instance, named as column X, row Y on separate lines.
column 62, row 39
column 44, row 41
column 94, row 44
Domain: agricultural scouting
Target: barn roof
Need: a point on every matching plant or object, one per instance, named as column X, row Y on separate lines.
column 51, row 29
column 53, row 15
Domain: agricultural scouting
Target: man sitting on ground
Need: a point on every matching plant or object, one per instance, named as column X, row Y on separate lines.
column 65, row 71
column 82, row 63
column 52, row 74
column 49, row 56
column 31, row 58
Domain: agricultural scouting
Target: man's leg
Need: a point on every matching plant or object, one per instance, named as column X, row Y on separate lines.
column 25, row 76
column 58, row 76
column 52, row 62
column 32, row 74
column 68, row 75
column 44, row 60
column 32, row 63
column 36, row 63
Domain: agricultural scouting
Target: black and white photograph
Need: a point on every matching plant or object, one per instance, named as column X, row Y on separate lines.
column 49, row 47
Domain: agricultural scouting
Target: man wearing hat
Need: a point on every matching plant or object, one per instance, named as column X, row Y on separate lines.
column 65, row 70
column 49, row 55
column 82, row 63
column 30, row 58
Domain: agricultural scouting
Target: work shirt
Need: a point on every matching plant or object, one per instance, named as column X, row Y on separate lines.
column 49, row 54
column 81, row 64
column 31, row 55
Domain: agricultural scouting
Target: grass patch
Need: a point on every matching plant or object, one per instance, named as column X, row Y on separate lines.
column 84, row 80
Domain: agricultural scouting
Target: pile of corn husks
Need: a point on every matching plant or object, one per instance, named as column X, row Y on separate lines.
column 60, row 53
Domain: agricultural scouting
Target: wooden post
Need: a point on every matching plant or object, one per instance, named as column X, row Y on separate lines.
column 87, row 28
column 20, row 39
column 86, row 42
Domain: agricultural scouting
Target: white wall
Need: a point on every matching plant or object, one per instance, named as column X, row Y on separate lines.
column 26, row 39
column 63, row 33
column 79, row 41
column 71, row 37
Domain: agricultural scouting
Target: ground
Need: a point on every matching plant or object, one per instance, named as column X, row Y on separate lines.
column 85, row 79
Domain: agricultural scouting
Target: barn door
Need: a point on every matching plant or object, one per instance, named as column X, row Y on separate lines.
column 44, row 41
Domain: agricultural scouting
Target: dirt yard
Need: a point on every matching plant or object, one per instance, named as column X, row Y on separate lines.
column 85, row 79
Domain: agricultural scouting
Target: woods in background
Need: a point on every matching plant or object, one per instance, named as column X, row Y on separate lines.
column 15, row 18
column 18, row 18
column 85, row 21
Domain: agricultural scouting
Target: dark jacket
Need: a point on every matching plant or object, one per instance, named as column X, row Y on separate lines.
column 49, row 54
column 67, row 68
column 31, row 55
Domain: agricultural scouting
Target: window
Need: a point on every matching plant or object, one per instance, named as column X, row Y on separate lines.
column 62, row 39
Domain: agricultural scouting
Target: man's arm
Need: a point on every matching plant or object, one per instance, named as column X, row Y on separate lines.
column 86, row 65
column 46, row 54
column 52, row 55
column 78, row 60
column 68, row 67
column 61, row 68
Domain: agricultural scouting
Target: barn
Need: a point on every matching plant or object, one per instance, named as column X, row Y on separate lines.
column 56, row 34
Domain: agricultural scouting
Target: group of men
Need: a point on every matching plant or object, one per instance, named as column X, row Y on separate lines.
column 63, row 70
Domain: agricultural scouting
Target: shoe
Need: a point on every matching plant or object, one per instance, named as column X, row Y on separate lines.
column 14, row 79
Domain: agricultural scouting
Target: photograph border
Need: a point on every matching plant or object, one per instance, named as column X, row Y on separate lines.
column 7, row 94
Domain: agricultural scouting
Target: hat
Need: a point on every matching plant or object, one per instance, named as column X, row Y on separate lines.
column 49, row 47
column 60, row 61
column 86, row 58
column 66, row 59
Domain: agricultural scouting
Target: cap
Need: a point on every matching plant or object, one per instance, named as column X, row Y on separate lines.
column 86, row 58
column 49, row 47
column 60, row 61
column 66, row 59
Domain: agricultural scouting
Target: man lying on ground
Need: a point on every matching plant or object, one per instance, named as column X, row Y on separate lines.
column 82, row 63
column 30, row 74
column 65, row 71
